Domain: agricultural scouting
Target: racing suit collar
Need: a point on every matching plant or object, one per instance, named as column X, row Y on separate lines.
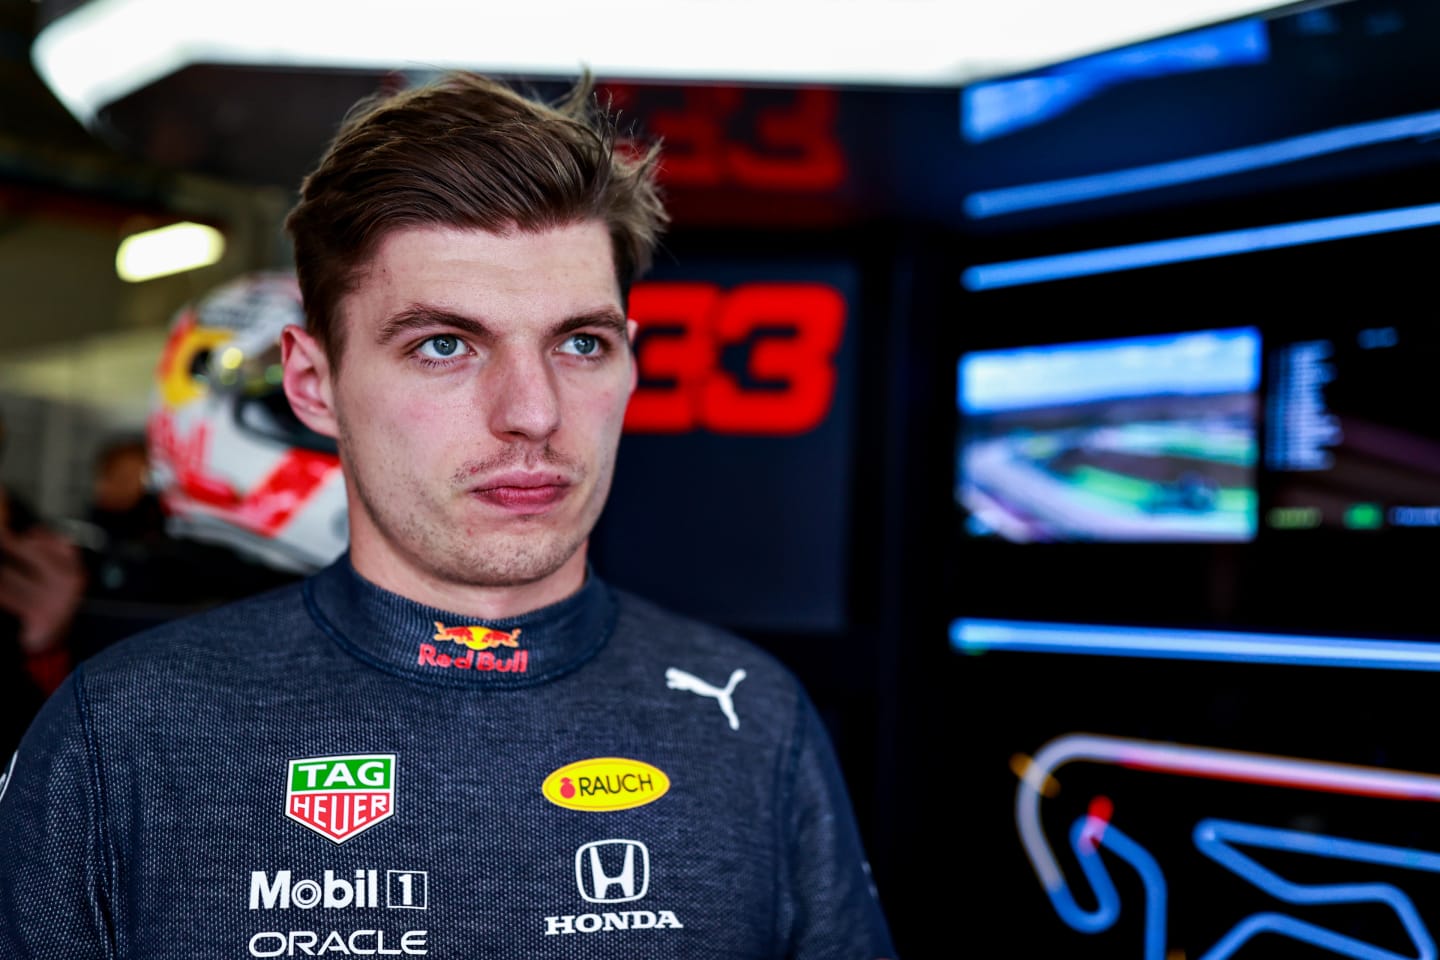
column 451, row 648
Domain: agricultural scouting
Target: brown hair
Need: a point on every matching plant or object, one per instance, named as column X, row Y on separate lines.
column 467, row 151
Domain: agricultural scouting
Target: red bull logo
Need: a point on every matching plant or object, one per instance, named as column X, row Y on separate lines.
column 482, row 660
column 479, row 641
column 477, row 638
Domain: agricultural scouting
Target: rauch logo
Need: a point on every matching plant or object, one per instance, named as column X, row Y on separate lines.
column 605, row 783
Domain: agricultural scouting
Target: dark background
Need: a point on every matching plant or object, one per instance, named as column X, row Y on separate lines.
column 1337, row 67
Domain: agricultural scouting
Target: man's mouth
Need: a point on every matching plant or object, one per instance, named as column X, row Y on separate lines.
column 523, row 492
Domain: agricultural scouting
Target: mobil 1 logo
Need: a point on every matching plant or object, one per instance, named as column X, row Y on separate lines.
column 341, row 797
column 392, row 889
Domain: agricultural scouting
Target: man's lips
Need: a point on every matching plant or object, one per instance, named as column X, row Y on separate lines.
column 522, row 491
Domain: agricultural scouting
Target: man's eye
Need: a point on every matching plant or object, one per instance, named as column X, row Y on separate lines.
column 440, row 347
column 584, row 344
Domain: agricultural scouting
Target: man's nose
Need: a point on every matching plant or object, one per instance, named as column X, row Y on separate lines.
column 522, row 396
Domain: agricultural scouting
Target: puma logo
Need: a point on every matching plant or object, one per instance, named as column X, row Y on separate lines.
column 9, row 774
column 680, row 680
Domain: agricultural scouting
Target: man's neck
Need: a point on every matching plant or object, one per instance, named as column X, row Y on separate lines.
column 486, row 602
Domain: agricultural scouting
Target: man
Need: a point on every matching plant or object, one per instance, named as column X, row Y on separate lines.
column 457, row 741
column 123, row 510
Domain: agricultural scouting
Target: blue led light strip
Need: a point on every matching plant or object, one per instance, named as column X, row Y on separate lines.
column 975, row 636
column 1218, row 840
column 1053, row 193
column 1086, row 836
column 1014, row 273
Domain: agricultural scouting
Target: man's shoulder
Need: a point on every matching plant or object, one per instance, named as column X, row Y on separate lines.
column 246, row 627
column 681, row 635
column 642, row 613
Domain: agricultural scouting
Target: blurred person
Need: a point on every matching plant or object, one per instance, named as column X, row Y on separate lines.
column 228, row 494
column 42, row 582
column 122, row 507
column 457, row 739
column 158, row 544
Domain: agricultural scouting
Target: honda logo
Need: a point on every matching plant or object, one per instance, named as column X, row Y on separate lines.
column 612, row 871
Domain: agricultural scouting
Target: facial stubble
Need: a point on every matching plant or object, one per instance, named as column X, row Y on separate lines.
column 432, row 533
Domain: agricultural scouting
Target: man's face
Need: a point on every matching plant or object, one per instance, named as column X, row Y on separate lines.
column 120, row 483
column 479, row 402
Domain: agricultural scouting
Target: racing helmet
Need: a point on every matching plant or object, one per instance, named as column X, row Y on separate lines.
column 230, row 461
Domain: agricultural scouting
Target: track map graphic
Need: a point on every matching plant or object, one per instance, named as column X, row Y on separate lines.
column 1343, row 895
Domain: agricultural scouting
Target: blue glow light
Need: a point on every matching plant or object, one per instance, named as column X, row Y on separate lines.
column 1107, row 899
column 1083, row 263
column 998, row 107
column 1107, row 908
column 969, row 635
column 1217, row 839
column 1209, row 166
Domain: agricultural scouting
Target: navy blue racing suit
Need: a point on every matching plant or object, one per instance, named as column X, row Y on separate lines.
column 334, row 770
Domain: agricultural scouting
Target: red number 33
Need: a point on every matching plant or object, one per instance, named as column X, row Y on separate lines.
column 792, row 332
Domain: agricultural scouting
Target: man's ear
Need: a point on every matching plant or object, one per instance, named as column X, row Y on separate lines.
column 631, row 329
column 308, row 384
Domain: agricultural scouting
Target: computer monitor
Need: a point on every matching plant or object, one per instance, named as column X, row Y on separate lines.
column 1353, row 439
column 1151, row 438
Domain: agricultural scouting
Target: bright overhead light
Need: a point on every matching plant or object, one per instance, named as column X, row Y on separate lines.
column 105, row 50
column 166, row 250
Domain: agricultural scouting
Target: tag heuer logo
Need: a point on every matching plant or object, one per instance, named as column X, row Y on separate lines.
column 339, row 797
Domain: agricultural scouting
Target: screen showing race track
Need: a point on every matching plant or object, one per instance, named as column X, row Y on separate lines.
column 1148, row 438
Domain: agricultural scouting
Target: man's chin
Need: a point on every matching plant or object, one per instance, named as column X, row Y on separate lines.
column 512, row 568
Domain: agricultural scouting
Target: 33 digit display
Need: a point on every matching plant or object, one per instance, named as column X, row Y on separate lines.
column 747, row 138
column 756, row 359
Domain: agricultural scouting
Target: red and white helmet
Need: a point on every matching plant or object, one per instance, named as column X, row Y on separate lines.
column 229, row 459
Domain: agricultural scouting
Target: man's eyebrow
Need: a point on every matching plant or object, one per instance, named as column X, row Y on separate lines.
column 609, row 319
column 420, row 317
